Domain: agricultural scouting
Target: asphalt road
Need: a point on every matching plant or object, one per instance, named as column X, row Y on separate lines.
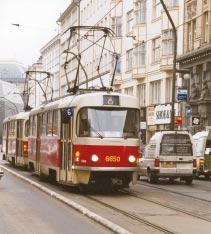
column 26, row 210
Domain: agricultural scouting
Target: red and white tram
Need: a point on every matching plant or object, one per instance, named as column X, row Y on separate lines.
column 15, row 139
column 85, row 139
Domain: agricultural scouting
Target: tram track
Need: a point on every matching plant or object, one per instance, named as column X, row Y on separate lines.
column 183, row 211
column 132, row 216
column 175, row 192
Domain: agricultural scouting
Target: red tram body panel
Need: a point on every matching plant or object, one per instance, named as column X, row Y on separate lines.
column 15, row 143
column 85, row 139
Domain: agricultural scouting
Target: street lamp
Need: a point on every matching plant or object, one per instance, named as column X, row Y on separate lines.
column 174, row 30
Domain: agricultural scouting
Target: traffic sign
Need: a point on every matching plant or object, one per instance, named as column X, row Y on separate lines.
column 182, row 94
column 189, row 111
column 195, row 120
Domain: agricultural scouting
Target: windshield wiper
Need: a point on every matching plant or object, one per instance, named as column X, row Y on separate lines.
column 93, row 129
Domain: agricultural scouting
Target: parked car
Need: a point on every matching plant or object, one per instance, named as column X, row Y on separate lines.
column 169, row 154
column 202, row 141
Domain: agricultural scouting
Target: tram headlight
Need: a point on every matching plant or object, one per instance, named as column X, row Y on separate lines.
column 94, row 158
column 131, row 158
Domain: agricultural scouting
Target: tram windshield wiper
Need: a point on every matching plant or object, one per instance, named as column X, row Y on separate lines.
column 95, row 131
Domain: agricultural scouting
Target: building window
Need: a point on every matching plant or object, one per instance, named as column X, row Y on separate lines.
column 129, row 21
column 168, row 89
column 156, row 9
column 129, row 60
column 167, row 42
column 140, row 55
column 155, row 92
column 142, row 94
column 172, row 3
column 156, row 49
column 119, row 63
column 141, row 11
column 206, row 27
column 191, row 9
column 129, row 91
column 117, row 26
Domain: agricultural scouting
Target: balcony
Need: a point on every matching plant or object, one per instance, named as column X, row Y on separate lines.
column 139, row 73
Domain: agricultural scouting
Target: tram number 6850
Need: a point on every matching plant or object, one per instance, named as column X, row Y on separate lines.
column 112, row 158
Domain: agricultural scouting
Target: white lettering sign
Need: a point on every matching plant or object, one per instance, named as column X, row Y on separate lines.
column 163, row 114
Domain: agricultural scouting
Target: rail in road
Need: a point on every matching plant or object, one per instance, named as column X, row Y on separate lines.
column 175, row 192
column 132, row 216
column 183, row 211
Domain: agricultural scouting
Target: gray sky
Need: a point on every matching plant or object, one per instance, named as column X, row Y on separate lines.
column 38, row 25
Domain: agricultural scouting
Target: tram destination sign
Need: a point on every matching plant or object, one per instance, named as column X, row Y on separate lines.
column 67, row 113
column 110, row 100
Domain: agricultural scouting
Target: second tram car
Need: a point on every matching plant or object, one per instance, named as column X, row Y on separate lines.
column 85, row 139
column 15, row 139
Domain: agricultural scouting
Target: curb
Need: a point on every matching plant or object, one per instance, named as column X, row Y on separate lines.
column 97, row 218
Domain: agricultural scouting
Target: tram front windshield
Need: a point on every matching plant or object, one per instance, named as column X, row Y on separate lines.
column 108, row 122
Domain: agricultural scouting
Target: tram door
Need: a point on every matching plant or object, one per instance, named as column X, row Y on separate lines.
column 39, row 127
column 66, row 147
column 19, row 139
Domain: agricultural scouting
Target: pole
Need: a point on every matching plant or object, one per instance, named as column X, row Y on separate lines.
column 174, row 61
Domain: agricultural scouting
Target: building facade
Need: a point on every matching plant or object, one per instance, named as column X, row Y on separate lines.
column 143, row 42
column 50, row 54
column 197, row 60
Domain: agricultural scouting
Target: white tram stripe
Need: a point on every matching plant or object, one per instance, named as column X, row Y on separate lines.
column 97, row 218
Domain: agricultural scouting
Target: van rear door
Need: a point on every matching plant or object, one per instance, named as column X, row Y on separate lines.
column 184, row 152
column 207, row 154
column 168, row 159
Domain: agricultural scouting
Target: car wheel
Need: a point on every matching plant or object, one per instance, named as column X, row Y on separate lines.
column 151, row 178
column 189, row 180
column 207, row 176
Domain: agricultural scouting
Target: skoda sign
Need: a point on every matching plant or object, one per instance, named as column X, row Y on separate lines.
column 163, row 114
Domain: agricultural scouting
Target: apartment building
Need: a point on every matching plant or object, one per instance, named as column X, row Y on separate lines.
column 50, row 54
column 143, row 42
column 68, row 63
column 197, row 59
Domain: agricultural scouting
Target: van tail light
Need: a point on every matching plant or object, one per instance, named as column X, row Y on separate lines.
column 25, row 147
column 194, row 163
column 157, row 162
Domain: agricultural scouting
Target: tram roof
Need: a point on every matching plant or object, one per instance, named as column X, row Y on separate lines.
column 20, row 115
column 86, row 99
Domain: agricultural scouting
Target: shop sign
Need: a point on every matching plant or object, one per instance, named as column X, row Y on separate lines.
column 143, row 125
column 163, row 114
column 150, row 115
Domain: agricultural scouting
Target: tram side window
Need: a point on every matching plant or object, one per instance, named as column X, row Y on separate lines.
column 30, row 126
column 20, row 128
column 12, row 128
column 83, row 123
column 44, row 124
column 49, row 124
column 27, row 128
column 34, row 125
column 55, row 124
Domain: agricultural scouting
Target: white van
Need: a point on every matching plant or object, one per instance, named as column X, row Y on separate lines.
column 169, row 154
column 202, row 141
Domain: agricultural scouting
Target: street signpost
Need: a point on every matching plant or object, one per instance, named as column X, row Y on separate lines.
column 182, row 94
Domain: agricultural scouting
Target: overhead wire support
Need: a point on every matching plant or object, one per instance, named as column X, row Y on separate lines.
column 174, row 62
column 107, row 32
